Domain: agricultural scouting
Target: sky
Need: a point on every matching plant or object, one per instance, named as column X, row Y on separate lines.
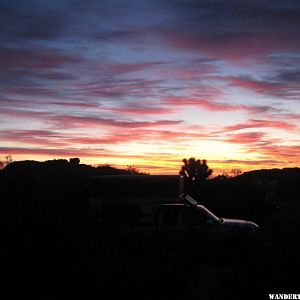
column 148, row 83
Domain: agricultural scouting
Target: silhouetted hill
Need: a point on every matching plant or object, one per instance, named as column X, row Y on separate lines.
column 52, row 174
column 58, row 168
column 277, row 183
column 270, row 174
column 251, row 194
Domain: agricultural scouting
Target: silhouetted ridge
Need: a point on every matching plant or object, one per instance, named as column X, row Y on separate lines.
column 251, row 194
column 59, row 167
column 273, row 174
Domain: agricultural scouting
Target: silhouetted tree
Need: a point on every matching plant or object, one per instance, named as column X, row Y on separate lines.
column 195, row 173
column 74, row 160
column 7, row 160
column 134, row 170
column 236, row 172
column 195, row 170
column 223, row 176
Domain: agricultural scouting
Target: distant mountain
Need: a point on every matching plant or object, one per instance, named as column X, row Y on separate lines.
column 60, row 167
column 271, row 174
column 251, row 194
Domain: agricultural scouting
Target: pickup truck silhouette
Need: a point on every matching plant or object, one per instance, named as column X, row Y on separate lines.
column 148, row 208
column 197, row 222
column 187, row 223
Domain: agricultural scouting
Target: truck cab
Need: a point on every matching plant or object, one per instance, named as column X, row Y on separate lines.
column 195, row 223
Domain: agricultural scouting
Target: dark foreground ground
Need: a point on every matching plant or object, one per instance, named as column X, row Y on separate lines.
column 44, row 261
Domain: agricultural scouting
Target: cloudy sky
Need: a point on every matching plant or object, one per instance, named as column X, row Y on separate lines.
column 148, row 83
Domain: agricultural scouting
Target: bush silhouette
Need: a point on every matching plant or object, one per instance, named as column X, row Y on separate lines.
column 75, row 161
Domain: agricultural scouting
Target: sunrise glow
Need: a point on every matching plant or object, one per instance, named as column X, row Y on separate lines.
column 148, row 83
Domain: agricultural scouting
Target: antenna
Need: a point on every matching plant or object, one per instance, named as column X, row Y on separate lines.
column 191, row 200
column 181, row 187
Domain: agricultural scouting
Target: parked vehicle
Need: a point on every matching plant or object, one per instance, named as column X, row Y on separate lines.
column 196, row 222
column 136, row 207
column 181, row 223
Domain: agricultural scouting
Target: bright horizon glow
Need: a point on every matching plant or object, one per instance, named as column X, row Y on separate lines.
column 150, row 83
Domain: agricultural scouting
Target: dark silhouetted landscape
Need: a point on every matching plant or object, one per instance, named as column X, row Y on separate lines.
column 56, row 245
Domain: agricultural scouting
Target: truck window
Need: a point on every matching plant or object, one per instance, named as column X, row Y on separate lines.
column 193, row 217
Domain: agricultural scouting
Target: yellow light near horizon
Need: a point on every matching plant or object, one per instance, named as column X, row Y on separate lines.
column 212, row 150
column 165, row 157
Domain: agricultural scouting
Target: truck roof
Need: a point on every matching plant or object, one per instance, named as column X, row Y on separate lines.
column 205, row 210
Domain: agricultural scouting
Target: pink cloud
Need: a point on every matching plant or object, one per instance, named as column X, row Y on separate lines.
column 43, row 138
column 282, row 152
column 141, row 110
column 281, row 85
column 289, row 116
column 91, row 121
column 208, row 105
column 107, row 139
column 116, row 87
column 33, row 91
column 214, row 106
column 254, row 85
column 116, row 68
column 137, row 135
column 27, row 114
column 50, row 139
column 49, row 152
column 84, row 121
column 75, row 104
column 246, row 138
column 261, row 124
column 188, row 70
